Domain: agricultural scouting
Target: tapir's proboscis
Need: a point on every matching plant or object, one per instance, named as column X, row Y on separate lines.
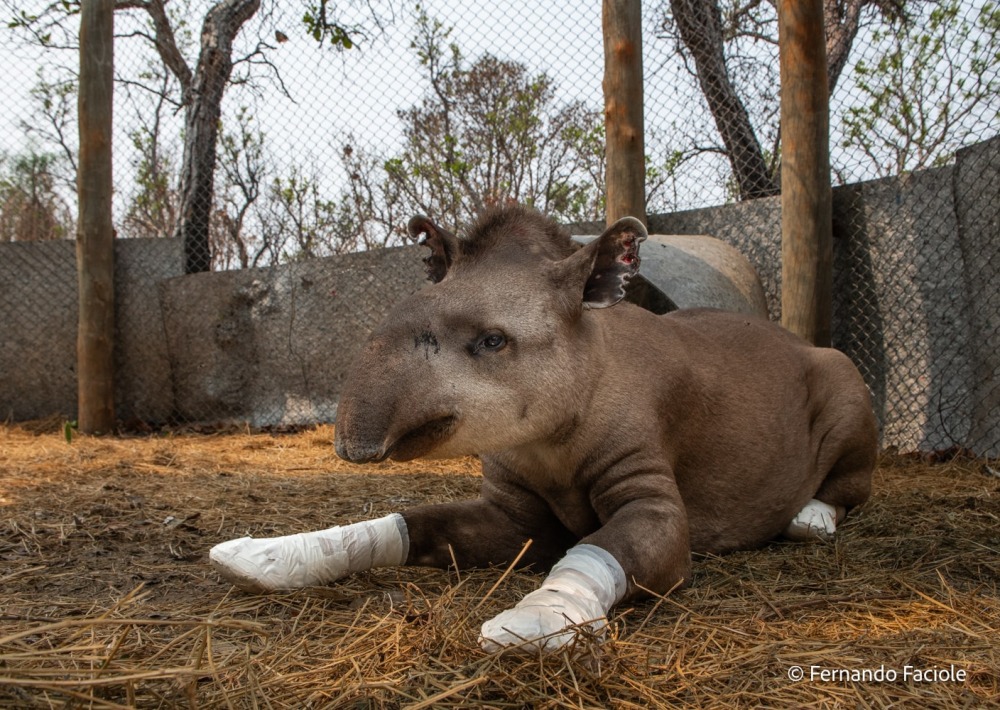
column 618, row 442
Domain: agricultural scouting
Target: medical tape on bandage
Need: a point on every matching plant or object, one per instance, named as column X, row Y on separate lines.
column 373, row 543
column 589, row 568
column 580, row 589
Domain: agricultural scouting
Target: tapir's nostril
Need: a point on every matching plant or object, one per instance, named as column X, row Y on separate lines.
column 357, row 451
column 360, row 454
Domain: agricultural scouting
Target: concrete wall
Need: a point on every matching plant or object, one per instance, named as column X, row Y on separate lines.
column 38, row 325
column 38, row 317
column 273, row 346
column 977, row 202
column 917, row 305
column 267, row 346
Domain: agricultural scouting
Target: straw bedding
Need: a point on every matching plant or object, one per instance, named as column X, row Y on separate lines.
column 107, row 599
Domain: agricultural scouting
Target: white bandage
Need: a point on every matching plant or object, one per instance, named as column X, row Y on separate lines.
column 816, row 521
column 313, row 558
column 578, row 592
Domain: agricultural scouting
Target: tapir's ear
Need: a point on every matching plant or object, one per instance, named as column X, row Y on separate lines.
column 604, row 267
column 442, row 243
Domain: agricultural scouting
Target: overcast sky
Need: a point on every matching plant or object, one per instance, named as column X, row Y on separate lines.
column 357, row 92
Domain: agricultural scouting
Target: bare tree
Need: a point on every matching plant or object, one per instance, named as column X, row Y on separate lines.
column 31, row 208
column 56, row 106
column 202, row 84
column 301, row 222
column 699, row 24
column 490, row 132
column 153, row 204
column 704, row 30
column 244, row 170
column 373, row 203
column 202, row 89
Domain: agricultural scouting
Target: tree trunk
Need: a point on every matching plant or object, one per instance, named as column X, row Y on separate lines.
column 96, row 237
column 700, row 25
column 623, row 108
column 201, row 125
column 806, row 197
column 841, row 19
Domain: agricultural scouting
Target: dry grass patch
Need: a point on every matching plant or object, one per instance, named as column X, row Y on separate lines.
column 107, row 599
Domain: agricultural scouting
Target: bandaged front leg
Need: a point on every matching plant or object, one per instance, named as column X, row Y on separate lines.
column 310, row 559
column 816, row 521
column 577, row 594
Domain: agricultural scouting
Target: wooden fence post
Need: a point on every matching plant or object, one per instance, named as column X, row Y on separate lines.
column 95, row 232
column 623, row 106
column 806, row 199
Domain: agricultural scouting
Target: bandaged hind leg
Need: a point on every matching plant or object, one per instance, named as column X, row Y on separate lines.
column 816, row 521
column 313, row 558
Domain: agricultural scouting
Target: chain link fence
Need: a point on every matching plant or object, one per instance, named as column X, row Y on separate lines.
column 259, row 146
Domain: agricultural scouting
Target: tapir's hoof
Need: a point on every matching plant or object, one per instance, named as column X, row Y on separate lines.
column 816, row 521
column 255, row 566
column 236, row 568
column 535, row 629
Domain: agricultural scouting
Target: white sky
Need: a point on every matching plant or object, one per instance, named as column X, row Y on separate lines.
column 359, row 91
column 355, row 92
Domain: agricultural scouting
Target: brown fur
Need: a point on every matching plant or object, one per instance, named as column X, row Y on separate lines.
column 649, row 436
column 519, row 229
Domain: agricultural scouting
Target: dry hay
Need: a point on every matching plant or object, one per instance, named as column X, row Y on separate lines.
column 108, row 601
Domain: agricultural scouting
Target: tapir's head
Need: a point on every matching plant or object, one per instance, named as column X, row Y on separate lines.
column 496, row 352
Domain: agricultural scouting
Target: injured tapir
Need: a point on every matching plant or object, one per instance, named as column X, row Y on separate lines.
column 617, row 441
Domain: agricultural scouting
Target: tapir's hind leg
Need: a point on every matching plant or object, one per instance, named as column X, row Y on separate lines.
column 848, row 483
column 846, row 486
column 816, row 521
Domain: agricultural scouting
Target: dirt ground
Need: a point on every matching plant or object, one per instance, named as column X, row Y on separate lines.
column 107, row 598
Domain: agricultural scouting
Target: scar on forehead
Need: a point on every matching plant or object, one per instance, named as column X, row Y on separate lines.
column 429, row 341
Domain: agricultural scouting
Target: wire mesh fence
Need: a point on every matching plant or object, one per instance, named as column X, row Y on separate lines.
column 268, row 140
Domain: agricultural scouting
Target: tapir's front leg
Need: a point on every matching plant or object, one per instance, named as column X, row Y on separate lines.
column 308, row 559
column 642, row 546
column 646, row 530
column 481, row 533
column 473, row 533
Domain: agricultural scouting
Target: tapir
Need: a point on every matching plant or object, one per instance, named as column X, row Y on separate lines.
column 614, row 442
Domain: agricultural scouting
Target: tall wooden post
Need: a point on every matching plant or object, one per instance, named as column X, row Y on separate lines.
column 623, row 107
column 806, row 200
column 95, row 233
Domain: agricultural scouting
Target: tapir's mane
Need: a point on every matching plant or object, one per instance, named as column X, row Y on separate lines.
column 516, row 226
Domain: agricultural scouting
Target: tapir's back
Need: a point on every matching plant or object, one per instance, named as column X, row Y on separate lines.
column 751, row 416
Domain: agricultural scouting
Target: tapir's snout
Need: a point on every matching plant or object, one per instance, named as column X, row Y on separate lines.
column 391, row 405
column 357, row 452
column 401, row 443
column 362, row 429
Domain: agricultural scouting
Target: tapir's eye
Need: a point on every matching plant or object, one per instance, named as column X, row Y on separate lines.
column 490, row 341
